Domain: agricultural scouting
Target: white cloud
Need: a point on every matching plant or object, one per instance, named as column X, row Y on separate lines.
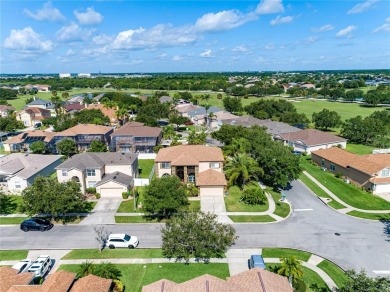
column 206, row 54
column 102, row 39
column 73, row 33
column 177, row 58
column 241, row 49
column 383, row 27
column 223, row 20
column 269, row 6
column 270, row 47
column 310, row 40
column 359, row 8
column 346, row 32
column 70, row 52
column 158, row 36
column 47, row 12
column 324, row 28
column 27, row 39
column 90, row 16
column 281, row 20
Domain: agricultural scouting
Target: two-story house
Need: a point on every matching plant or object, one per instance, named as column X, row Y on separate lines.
column 30, row 116
column 135, row 137
column 5, row 110
column 22, row 142
column 111, row 173
column 197, row 164
column 370, row 171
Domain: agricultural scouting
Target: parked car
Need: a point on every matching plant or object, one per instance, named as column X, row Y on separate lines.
column 41, row 266
column 256, row 261
column 122, row 240
column 36, row 224
column 37, row 125
column 22, row 266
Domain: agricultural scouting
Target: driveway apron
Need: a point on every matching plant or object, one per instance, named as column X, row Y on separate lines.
column 103, row 213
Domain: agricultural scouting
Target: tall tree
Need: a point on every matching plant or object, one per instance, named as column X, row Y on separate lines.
column 97, row 146
column 241, row 168
column 360, row 282
column 67, row 147
column 232, row 104
column 291, row 268
column 326, row 119
column 38, row 147
column 195, row 138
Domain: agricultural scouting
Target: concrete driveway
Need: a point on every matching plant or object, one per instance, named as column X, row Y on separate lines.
column 238, row 259
column 103, row 213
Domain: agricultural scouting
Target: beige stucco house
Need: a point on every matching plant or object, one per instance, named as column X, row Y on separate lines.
column 111, row 173
column 32, row 115
column 197, row 164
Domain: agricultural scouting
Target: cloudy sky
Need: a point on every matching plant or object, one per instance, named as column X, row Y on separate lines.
column 179, row 36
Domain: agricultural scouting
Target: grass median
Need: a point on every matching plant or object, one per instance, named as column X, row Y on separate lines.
column 371, row 216
column 282, row 209
column 233, row 202
column 251, row 218
column 285, row 253
column 333, row 271
column 138, row 253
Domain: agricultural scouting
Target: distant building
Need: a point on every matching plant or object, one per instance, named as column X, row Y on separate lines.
column 84, row 75
column 65, row 75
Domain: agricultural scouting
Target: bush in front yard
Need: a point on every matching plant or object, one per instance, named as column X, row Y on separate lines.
column 97, row 195
column 338, row 175
column 91, row 190
column 253, row 195
column 125, row 195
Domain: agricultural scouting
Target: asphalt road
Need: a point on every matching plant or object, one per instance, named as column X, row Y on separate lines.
column 312, row 227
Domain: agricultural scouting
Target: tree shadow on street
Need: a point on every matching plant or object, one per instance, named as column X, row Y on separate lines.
column 386, row 227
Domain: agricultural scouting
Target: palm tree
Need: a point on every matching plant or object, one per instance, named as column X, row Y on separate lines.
column 86, row 268
column 121, row 114
column 241, row 168
column 133, row 107
column 291, row 268
column 206, row 97
column 219, row 97
column 56, row 100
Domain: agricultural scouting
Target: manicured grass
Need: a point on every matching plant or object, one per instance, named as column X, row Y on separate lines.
column 137, row 253
column 127, row 207
column 282, row 209
column 319, row 192
column 13, row 255
column 371, row 216
column 360, row 149
column 337, row 274
column 285, row 253
column 136, row 219
column 11, row 220
column 135, row 276
column 9, row 204
column 346, row 192
column 145, row 167
column 233, row 204
column 251, row 218
column 312, row 279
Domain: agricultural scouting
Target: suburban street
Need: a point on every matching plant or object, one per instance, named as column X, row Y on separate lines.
column 312, row 227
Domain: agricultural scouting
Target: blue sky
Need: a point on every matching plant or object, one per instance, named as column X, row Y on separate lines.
column 181, row 36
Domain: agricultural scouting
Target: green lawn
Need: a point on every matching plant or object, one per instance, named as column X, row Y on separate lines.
column 285, row 253
column 136, row 219
column 233, row 204
column 282, row 209
column 135, row 276
column 251, row 218
column 13, row 255
column 11, row 220
column 337, row 274
column 360, row 149
column 346, row 192
column 137, row 253
column 145, row 167
column 9, row 204
column 319, row 192
column 371, row 216
column 128, row 205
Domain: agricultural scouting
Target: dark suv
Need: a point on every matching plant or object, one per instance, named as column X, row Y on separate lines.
column 36, row 224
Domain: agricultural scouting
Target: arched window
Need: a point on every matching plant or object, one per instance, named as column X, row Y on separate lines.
column 191, row 178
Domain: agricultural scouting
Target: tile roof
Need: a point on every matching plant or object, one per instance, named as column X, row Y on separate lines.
column 25, row 166
column 224, row 116
column 36, row 110
column 74, row 106
column 312, row 137
column 189, row 154
column 137, row 130
column 185, row 108
column 108, row 112
column 59, row 281
column 86, row 160
column 246, row 121
column 6, row 107
column 10, row 277
column 369, row 164
column 85, row 129
column 211, row 177
column 118, row 177
column 92, row 283
column 34, row 133
column 380, row 180
column 162, row 285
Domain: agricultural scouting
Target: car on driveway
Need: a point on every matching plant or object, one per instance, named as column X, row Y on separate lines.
column 41, row 266
column 257, row 261
column 22, row 266
column 37, row 224
column 122, row 240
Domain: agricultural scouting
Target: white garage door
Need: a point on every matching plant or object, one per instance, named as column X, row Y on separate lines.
column 211, row 191
column 111, row 192
column 382, row 189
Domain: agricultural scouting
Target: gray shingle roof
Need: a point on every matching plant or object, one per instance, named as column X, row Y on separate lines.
column 86, row 160
column 39, row 102
column 118, row 177
column 26, row 166
column 202, row 111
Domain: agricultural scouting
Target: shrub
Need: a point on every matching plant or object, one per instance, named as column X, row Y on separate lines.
column 97, row 195
column 118, row 286
column 192, row 190
column 253, row 195
column 125, row 195
column 91, row 190
column 338, row 175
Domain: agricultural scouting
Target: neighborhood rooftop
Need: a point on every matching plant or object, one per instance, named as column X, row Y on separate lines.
column 189, row 154
column 137, row 130
column 85, row 129
column 312, row 137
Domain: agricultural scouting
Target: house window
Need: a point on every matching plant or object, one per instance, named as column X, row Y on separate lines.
column 18, row 185
column 165, row 165
column 332, row 167
column 191, row 178
column 322, row 162
column 214, row 165
column 385, row 173
column 64, row 172
column 91, row 184
column 91, row 172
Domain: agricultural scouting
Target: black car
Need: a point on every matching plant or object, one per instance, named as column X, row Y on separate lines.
column 36, row 224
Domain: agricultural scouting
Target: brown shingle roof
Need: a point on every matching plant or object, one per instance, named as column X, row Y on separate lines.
column 85, row 129
column 137, row 130
column 108, row 112
column 186, row 108
column 206, row 283
column 92, row 283
column 34, row 133
column 36, row 110
column 337, row 155
column 312, row 137
column 59, row 281
column 10, row 277
column 162, row 285
column 74, row 106
column 192, row 154
column 6, row 107
column 211, row 177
